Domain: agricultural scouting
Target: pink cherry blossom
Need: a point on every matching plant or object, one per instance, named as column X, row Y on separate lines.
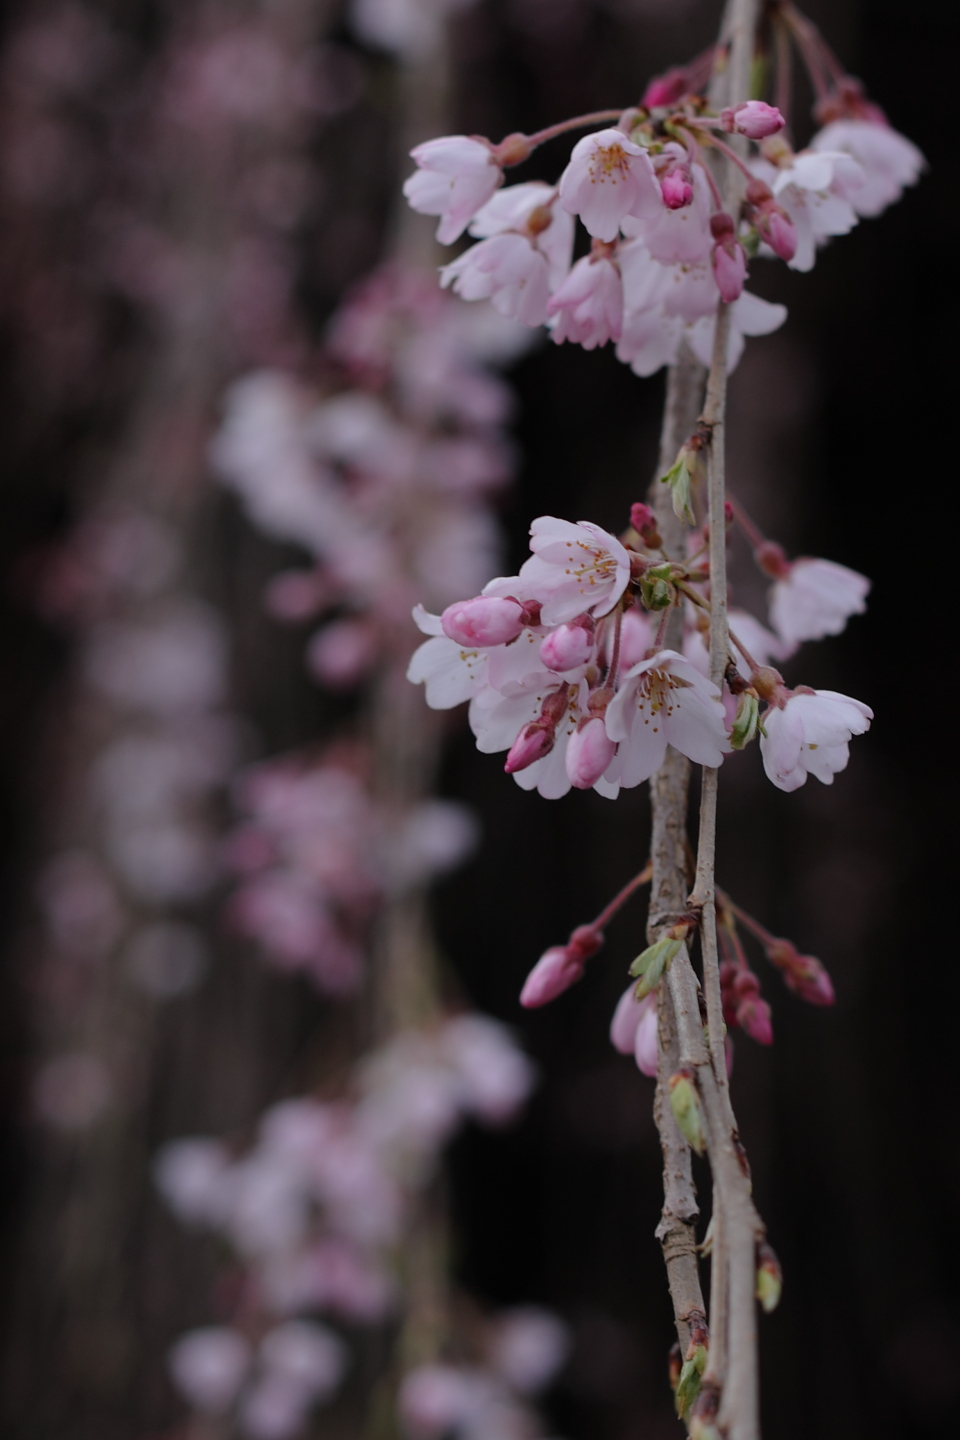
column 809, row 735
column 816, row 598
column 889, row 161
column 525, row 253
column 574, row 568
column 588, row 307
column 457, row 175
column 208, row 1367
column 814, row 191
column 528, row 1347
column 633, row 1030
column 608, row 178
column 665, row 700
column 509, row 271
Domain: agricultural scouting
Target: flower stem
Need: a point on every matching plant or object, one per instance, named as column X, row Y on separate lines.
column 622, row 896
column 578, row 122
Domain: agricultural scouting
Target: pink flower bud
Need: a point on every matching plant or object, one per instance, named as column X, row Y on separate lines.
column 676, row 187
column 554, row 972
column 569, row 646
column 807, row 978
column 666, row 89
column 534, row 741
column 729, row 269
column 589, row 752
column 753, row 118
column 754, row 1015
column 646, row 1042
column 779, row 232
column 487, row 620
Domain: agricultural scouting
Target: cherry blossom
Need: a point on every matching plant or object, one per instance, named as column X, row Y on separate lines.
column 574, row 568
column 524, row 254
column 664, row 700
column 456, row 176
column 815, row 598
column 809, row 734
column 815, row 189
column 588, row 306
column 888, row 159
column 607, row 179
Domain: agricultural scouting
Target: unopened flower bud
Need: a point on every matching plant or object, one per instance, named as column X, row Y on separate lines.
column 744, row 727
column 753, row 1014
column 589, row 752
column 729, row 263
column 753, row 118
column 685, row 1104
column 769, row 1278
column 650, row 965
column 555, row 971
column 487, row 620
column 569, row 646
column 644, row 522
column 779, row 231
column 666, row 89
column 534, row 741
column 803, row 974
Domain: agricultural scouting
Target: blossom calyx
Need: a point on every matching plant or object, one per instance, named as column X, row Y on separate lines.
column 512, row 149
column 685, row 1104
column 753, row 118
column 769, row 685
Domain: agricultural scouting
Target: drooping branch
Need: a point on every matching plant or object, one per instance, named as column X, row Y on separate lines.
column 733, row 1364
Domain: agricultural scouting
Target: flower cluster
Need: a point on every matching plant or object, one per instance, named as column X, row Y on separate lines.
column 663, row 249
column 565, row 669
column 385, row 478
column 316, row 1209
column 317, row 856
column 519, row 1353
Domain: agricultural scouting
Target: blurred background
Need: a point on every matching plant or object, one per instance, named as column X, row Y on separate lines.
column 189, row 191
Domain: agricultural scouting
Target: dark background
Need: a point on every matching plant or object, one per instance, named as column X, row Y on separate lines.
column 841, row 434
